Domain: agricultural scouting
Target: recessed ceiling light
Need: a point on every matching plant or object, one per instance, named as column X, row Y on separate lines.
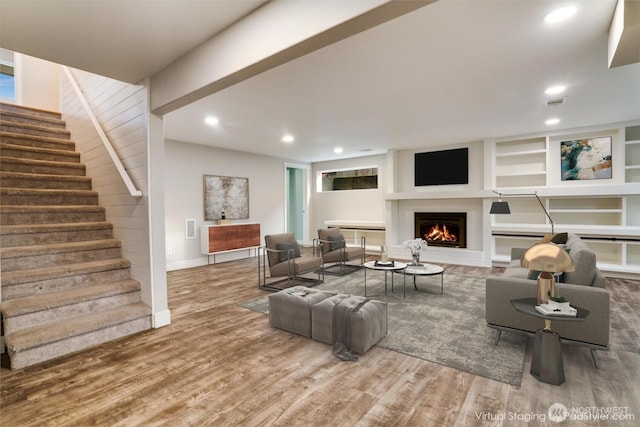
column 288, row 139
column 337, row 150
column 212, row 121
column 555, row 90
column 560, row 14
column 552, row 122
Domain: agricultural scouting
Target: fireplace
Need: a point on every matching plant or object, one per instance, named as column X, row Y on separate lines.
column 447, row 229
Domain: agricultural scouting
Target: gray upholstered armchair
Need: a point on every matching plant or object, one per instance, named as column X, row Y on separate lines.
column 338, row 258
column 287, row 266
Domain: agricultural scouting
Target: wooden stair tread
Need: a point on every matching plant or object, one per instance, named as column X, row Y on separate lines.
column 45, row 120
column 50, row 228
column 60, row 271
column 30, row 149
column 36, row 162
column 45, row 191
column 40, row 335
column 39, row 138
column 43, row 176
column 47, row 301
column 5, row 209
column 8, row 106
column 50, row 248
column 32, row 127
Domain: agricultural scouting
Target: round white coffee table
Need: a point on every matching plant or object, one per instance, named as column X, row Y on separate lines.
column 397, row 266
column 425, row 270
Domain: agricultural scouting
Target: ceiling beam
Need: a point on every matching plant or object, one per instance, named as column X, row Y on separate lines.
column 624, row 34
column 274, row 34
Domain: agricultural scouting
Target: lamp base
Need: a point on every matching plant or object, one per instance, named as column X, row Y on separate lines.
column 546, row 287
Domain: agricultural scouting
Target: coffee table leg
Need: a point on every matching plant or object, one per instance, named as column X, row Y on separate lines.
column 365, row 282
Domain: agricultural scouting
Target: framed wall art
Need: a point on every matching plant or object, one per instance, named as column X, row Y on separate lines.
column 584, row 159
column 225, row 197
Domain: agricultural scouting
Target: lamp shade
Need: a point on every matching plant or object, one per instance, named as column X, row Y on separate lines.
column 547, row 257
column 500, row 208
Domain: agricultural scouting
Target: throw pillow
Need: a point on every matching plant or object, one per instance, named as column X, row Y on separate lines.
column 546, row 238
column 285, row 247
column 533, row 274
column 336, row 242
column 560, row 238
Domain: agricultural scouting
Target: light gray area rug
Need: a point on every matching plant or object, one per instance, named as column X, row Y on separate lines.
column 448, row 329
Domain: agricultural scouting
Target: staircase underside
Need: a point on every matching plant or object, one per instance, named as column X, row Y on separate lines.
column 65, row 285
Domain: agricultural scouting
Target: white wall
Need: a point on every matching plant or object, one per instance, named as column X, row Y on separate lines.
column 405, row 173
column 473, row 207
column 121, row 109
column 350, row 205
column 440, row 198
column 37, row 82
column 186, row 164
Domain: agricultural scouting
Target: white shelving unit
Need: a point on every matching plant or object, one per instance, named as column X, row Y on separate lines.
column 587, row 211
column 606, row 216
column 372, row 231
column 632, row 156
column 521, row 163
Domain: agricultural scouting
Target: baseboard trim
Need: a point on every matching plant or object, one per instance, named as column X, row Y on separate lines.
column 161, row 319
column 189, row 263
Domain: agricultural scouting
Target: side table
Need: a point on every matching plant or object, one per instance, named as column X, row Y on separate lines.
column 425, row 269
column 371, row 265
column 546, row 363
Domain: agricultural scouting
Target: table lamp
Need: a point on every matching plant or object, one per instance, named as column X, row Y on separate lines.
column 547, row 259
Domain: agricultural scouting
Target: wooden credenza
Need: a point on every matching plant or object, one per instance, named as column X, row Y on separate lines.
column 228, row 237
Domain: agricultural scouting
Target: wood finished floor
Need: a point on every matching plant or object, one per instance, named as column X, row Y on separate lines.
column 221, row 365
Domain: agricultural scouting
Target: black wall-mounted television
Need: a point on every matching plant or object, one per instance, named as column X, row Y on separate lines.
column 443, row 167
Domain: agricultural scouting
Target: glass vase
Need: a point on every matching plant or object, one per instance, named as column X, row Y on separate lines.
column 383, row 254
column 415, row 258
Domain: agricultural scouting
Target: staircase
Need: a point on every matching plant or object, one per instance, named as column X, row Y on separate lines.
column 65, row 286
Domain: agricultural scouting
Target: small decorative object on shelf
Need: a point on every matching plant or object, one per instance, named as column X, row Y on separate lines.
column 415, row 246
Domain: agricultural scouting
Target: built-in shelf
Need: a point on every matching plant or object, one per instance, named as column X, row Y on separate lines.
column 522, row 153
column 520, row 163
column 605, row 214
column 632, row 161
column 374, row 232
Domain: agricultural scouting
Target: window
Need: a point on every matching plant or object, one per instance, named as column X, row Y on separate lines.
column 351, row 179
column 7, row 81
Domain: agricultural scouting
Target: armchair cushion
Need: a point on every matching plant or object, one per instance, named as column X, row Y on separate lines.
column 272, row 241
column 286, row 250
column 336, row 242
column 329, row 235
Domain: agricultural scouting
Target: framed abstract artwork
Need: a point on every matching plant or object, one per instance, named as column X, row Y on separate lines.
column 584, row 159
column 225, row 197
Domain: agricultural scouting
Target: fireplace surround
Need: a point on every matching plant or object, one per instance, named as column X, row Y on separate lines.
column 447, row 229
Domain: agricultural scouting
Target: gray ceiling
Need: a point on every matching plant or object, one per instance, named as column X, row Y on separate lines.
column 451, row 72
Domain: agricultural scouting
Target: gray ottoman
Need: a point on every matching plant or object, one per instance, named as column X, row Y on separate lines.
column 290, row 309
column 361, row 329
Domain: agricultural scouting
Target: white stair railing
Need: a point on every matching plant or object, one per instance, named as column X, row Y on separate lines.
column 103, row 136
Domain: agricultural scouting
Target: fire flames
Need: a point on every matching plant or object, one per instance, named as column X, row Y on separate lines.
column 440, row 233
